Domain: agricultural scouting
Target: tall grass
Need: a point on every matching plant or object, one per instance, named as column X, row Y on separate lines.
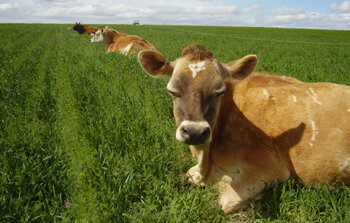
column 87, row 136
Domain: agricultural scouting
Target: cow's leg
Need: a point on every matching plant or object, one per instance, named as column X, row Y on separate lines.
column 229, row 200
column 232, row 199
column 247, row 185
column 197, row 174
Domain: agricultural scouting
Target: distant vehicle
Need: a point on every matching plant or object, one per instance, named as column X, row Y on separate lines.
column 136, row 22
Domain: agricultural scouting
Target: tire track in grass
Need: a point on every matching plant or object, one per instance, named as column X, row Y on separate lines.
column 85, row 206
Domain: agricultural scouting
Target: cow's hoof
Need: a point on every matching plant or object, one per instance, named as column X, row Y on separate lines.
column 231, row 207
column 194, row 178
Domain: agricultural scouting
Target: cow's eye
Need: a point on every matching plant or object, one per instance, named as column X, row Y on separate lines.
column 174, row 94
column 220, row 93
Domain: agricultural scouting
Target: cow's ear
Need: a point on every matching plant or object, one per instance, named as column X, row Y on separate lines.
column 242, row 68
column 154, row 63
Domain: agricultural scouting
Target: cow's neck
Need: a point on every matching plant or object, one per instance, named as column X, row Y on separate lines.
column 111, row 37
column 226, row 115
column 232, row 129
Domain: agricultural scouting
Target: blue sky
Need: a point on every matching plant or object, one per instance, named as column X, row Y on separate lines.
column 320, row 14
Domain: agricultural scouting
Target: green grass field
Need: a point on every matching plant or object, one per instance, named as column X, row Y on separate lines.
column 87, row 136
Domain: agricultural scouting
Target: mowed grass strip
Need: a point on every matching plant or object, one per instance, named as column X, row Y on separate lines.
column 82, row 201
column 109, row 131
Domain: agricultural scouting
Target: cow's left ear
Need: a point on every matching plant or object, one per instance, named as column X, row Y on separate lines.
column 154, row 63
column 242, row 68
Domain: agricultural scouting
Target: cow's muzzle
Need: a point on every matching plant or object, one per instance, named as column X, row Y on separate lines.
column 194, row 133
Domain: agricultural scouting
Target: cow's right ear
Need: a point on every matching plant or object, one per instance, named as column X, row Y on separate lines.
column 154, row 63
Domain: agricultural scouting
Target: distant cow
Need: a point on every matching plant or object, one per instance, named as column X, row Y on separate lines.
column 248, row 129
column 120, row 42
column 84, row 29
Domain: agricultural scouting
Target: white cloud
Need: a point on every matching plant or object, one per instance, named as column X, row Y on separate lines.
column 180, row 12
column 252, row 8
column 6, row 6
column 342, row 7
column 301, row 18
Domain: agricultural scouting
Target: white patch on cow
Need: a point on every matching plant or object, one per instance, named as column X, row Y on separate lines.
column 339, row 130
column 314, row 132
column 197, row 67
column 344, row 166
column 266, row 93
column 294, row 98
column 127, row 49
column 313, row 95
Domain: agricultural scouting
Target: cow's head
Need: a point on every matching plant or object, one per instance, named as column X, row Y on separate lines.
column 196, row 86
column 79, row 28
column 103, row 35
column 99, row 35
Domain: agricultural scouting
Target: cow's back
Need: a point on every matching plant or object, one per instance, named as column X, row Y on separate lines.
column 130, row 44
column 318, row 112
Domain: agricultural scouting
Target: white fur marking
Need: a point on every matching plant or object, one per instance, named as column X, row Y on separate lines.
column 313, row 95
column 266, row 93
column 127, row 49
column 339, row 130
column 314, row 130
column 344, row 165
column 196, row 67
column 294, row 98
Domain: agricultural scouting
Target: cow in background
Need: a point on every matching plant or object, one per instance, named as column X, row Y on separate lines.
column 249, row 129
column 120, row 42
column 90, row 30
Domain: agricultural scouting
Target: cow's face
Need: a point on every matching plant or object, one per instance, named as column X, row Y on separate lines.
column 196, row 86
column 78, row 27
column 98, row 36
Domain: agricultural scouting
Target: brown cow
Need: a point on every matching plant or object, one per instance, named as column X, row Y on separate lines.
column 120, row 42
column 248, row 129
column 84, row 29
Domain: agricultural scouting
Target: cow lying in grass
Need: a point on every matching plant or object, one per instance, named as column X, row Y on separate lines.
column 84, row 29
column 248, row 129
column 120, row 42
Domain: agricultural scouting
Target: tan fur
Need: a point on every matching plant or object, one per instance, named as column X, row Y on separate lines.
column 90, row 30
column 124, row 43
column 266, row 128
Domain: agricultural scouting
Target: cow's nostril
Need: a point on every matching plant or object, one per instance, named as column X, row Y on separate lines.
column 185, row 132
column 185, row 129
column 205, row 132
